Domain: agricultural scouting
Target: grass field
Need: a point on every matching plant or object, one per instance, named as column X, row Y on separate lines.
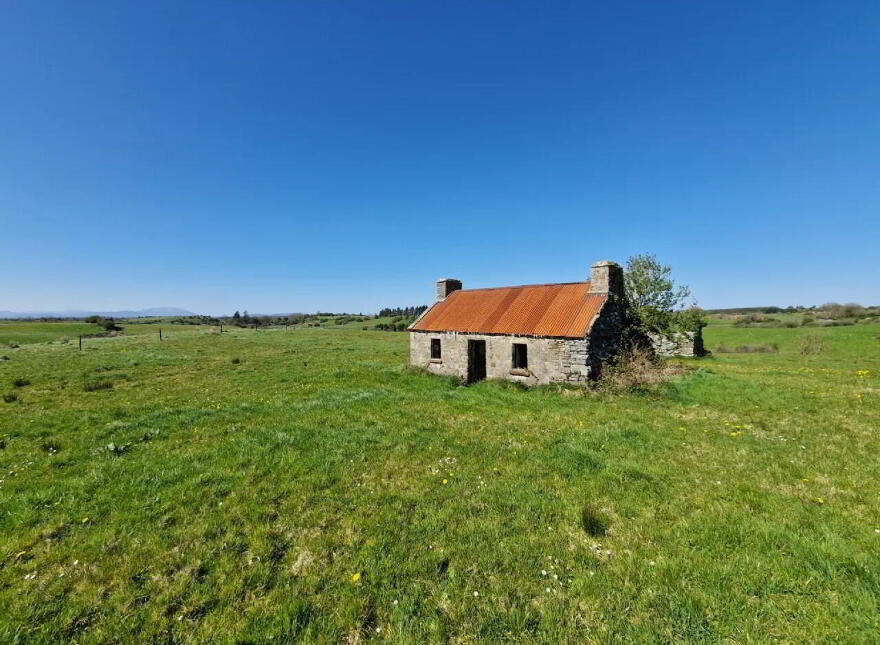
column 17, row 332
column 305, row 485
column 26, row 332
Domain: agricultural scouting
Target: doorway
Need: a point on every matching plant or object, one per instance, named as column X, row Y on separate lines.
column 476, row 360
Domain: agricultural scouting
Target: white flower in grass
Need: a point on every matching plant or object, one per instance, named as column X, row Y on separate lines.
column 476, row 594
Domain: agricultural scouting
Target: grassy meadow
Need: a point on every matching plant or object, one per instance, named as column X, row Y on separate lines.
column 305, row 485
column 27, row 332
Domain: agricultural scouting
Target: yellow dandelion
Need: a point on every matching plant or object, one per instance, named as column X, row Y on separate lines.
column 445, row 481
column 356, row 577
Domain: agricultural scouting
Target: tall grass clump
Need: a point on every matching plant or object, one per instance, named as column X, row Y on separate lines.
column 635, row 367
column 767, row 348
column 812, row 344
column 95, row 386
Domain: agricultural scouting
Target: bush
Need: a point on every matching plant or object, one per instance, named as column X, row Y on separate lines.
column 812, row 344
column 636, row 367
column 10, row 398
column 94, row 386
column 836, row 310
column 756, row 319
column 236, row 360
column 107, row 323
column 806, row 320
column 21, row 382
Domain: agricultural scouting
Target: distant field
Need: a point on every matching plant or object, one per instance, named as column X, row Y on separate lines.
column 28, row 332
column 42, row 332
column 296, row 485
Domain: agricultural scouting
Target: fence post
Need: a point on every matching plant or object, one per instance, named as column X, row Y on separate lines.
column 80, row 343
column 160, row 334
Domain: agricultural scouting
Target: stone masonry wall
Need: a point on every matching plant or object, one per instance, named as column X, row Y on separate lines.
column 605, row 335
column 550, row 359
column 683, row 343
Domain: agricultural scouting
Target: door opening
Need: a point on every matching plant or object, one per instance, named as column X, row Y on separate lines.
column 476, row 360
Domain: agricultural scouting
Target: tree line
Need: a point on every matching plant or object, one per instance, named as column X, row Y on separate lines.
column 406, row 312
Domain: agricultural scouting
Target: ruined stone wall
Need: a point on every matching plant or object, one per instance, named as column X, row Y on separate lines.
column 550, row 360
column 683, row 343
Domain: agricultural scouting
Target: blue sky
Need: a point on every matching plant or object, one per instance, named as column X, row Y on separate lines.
column 332, row 155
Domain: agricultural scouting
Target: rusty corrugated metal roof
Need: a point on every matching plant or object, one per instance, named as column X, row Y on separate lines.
column 559, row 310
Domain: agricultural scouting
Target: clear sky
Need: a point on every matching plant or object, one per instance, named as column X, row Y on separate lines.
column 342, row 155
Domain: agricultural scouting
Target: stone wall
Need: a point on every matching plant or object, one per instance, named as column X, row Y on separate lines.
column 605, row 334
column 550, row 359
column 682, row 343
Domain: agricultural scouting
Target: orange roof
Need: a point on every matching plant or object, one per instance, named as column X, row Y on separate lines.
column 558, row 310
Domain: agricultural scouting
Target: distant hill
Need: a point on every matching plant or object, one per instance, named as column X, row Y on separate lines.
column 155, row 311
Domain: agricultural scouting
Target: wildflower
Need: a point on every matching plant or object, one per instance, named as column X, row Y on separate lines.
column 356, row 577
column 547, row 590
column 476, row 594
column 543, row 572
column 818, row 500
column 652, row 563
column 445, row 481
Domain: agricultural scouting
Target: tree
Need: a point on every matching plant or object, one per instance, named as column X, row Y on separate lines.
column 655, row 300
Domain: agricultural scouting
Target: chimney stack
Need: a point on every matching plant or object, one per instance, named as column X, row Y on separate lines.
column 606, row 277
column 446, row 286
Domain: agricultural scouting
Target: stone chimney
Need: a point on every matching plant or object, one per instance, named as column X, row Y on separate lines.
column 446, row 286
column 606, row 277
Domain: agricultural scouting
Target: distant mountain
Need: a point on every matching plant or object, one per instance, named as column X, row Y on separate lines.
column 141, row 313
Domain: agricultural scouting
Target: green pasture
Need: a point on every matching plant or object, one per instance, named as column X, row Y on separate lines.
column 296, row 485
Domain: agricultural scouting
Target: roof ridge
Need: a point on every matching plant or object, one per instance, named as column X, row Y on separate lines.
column 520, row 286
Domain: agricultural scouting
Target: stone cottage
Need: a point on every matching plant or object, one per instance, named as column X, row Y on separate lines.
column 533, row 334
